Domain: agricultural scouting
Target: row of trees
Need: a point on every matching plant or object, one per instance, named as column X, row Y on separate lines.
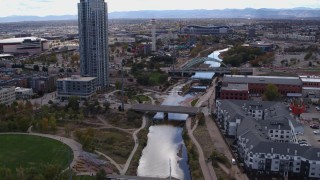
column 240, row 54
column 16, row 117
column 148, row 78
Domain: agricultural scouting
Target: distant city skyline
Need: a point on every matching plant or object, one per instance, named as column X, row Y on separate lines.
column 69, row 7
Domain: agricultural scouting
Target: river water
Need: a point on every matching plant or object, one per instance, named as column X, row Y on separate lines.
column 165, row 151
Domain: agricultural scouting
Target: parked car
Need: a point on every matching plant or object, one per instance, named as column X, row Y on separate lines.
column 302, row 141
column 304, row 144
column 299, row 133
column 314, row 126
column 316, row 132
column 233, row 161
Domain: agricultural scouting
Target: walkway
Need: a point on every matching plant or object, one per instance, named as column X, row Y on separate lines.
column 207, row 173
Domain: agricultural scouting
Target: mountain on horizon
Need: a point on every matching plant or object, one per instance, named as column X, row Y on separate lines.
column 294, row 13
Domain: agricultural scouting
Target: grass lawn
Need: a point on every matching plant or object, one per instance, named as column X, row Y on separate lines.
column 32, row 151
column 203, row 137
column 141, row 97
column 156, row 78
column 85, row 178
column 194, row 102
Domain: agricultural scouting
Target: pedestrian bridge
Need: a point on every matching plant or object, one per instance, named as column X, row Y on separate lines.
column 165, row 109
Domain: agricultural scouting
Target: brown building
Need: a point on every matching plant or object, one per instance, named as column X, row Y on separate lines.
column 257, row 84
column 235, row 91
column 310, row 81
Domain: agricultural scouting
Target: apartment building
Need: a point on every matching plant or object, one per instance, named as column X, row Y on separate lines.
column 7, row 95
column 265, row 134
column 82, row 87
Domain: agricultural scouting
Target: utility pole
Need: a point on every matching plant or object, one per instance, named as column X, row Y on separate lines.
column 122, row 88
column 70, row 170
column 170, row 168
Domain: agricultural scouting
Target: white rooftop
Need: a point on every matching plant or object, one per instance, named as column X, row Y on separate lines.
column 5, row 55
column 77, row 78
column 19, row 40
column 310, row 79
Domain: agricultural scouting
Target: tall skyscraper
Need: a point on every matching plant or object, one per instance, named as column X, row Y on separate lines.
column 93, row 36
column 153, row 32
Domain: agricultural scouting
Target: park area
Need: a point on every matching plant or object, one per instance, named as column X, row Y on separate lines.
column 32, row 151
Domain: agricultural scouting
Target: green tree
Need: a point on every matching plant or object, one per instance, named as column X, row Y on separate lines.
column 101, row 175
column 271, row 93
column 118, row 85
column 73, row 103
column 308, row 55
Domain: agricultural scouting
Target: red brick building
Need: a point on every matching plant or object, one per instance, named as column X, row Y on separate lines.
column 310, row 81
column 257, row 84
column 235, row 91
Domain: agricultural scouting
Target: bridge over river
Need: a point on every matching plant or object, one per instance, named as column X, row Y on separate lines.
column 219, row 70
column 165, row 109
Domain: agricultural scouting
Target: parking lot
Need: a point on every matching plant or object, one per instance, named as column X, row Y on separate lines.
column 312, row 117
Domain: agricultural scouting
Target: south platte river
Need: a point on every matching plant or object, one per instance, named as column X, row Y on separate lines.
column 165, row 143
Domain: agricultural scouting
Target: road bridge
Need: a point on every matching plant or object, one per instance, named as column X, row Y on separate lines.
column 165, row 109
column 219, row 70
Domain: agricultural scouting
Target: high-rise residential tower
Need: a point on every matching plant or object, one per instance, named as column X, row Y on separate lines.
column 153, row 32
column 93, row 36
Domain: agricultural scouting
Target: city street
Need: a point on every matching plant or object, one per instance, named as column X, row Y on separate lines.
column 45, row 99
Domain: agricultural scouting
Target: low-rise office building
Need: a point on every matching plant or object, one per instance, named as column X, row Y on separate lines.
column 23, row 93
column 206, row 30
column 82, row 87
column 7, row 95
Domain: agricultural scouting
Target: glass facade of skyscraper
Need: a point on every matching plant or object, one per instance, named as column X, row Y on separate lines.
column 93, row 35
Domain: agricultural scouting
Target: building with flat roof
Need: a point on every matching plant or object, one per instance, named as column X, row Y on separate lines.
column 235, row 91
column 206, row 30
column 264, row 46
column 24, row 45
column 82, row 87
column 23, row 93
column 310, row 81
column 257, row 84
column 7, row 95
column 93, row 39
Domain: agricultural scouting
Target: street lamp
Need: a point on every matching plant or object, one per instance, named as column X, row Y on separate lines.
column 122, row 88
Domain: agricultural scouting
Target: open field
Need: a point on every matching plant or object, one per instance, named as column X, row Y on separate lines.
column 114, row 143
column 32, row 151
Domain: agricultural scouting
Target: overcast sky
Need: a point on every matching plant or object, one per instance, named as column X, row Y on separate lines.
column 69, row 7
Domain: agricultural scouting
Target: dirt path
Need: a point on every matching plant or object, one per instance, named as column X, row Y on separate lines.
column 208, row 174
